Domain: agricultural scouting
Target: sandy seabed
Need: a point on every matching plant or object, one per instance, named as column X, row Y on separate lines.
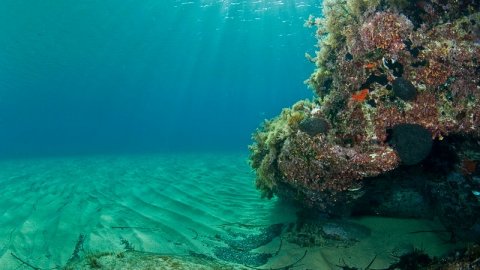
column 168, row 204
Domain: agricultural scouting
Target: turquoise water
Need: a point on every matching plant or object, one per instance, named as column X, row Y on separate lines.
column 129, row 76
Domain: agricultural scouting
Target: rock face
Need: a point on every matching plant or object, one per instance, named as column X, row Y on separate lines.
column 397, row 84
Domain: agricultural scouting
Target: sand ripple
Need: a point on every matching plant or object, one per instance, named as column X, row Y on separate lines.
column 159, row 203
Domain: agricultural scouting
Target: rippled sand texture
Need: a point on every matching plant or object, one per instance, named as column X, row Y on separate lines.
column 163, row 204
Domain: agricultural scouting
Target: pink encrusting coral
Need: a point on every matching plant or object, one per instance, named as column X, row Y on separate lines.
column 386, row 31
column 450, row 52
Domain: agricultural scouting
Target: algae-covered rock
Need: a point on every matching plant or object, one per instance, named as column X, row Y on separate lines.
column 326, row 233
column 394, row 80
column 462, row 259
column 134, row 260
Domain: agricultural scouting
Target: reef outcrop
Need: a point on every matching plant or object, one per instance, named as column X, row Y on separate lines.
column 397, row 87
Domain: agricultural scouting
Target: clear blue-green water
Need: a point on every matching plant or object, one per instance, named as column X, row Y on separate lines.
column 128, row 122
column 142, row 76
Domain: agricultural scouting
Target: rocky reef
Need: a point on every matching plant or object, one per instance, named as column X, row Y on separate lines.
column 395, row 117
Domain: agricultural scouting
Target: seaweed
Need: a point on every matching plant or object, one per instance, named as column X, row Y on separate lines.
column 346, row 267
column 77, row 249
column 127, row 245
column 417, row 259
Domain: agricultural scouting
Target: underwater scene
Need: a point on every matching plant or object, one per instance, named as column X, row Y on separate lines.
column 240, row 134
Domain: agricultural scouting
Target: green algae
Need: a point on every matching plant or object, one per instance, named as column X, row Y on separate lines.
column 147, row 261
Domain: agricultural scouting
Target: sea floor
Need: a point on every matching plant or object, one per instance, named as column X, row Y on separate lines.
column 54, row 211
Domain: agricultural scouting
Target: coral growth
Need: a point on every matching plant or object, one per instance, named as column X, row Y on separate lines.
column 393, row 78
column 383, row 30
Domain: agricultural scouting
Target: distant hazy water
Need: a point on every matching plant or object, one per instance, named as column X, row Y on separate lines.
column 142, row 76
